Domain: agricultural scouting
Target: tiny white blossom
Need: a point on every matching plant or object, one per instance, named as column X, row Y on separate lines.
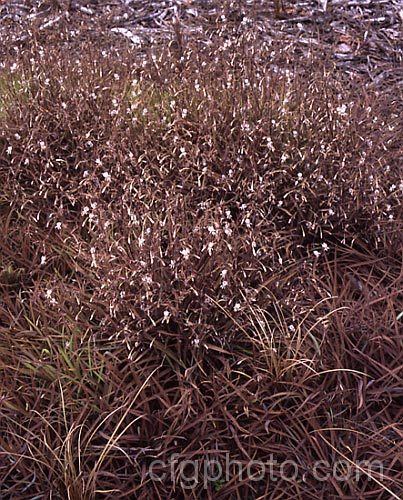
column 227, row 230
column 43, row 260
column 58, row 225
column 270, row 144
column 341, row 110
column 185, row 253
column 325, row 247
column 196, row 342
column 9, row 150
column 49, row 297
column 167, row 315
column 106, row 176
column 237, row 307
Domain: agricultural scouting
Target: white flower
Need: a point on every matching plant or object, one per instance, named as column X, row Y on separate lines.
column 43, row 260
column 270, row 144
column 316, row 253
column 212, row 230
column 58, row 225
column 325, row 247
column 167, row 315
column 224, row 284
column 196, row 342
column 341, row 110
column 49, row 297
column 210, row 247
column 227, row 230
column 106, row 176
column 9, row 150
column 237, row 307
column 42, row 145
column 185, row 253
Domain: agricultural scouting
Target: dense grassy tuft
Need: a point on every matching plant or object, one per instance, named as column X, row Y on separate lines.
column 200, row 254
